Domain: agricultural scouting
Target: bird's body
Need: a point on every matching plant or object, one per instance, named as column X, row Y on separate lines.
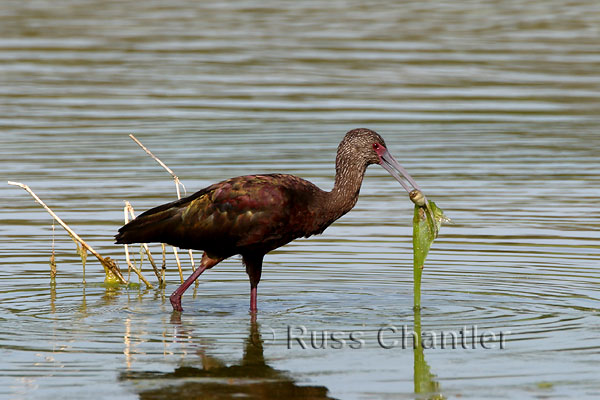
column 242, row 215
column 255, row 214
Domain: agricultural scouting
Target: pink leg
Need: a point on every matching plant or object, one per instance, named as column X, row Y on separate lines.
column 254, row 269
column 253, row 299
column 205, row 264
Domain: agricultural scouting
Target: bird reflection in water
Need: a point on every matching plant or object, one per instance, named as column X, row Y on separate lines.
column 252, row 378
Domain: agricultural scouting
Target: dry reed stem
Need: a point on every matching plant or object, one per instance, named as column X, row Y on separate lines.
column 162, row 164
column 52, row 258
column 127, row 258
column 83, row 254
column 177, row 183
column 107, row 262
column 129, row 208
column 83, row 261
column 125, row 246
column 164, row 261
column 178, row 263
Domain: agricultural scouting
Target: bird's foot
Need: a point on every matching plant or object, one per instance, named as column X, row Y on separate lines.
column 176, row 302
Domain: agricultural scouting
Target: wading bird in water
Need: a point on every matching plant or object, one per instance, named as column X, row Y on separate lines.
column 255, row 214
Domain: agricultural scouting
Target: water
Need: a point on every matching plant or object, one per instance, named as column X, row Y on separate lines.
column 492, row 106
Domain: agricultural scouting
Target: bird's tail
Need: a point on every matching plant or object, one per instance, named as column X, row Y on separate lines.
column 149, row 227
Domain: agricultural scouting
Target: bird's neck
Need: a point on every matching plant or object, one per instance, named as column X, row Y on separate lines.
column 349, row 175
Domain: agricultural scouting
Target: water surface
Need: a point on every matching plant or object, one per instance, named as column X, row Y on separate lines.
column 492, row 106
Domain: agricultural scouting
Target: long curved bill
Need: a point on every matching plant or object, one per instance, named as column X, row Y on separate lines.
column 397, row 171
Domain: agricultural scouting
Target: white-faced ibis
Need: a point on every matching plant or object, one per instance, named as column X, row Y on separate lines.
column 254, row 214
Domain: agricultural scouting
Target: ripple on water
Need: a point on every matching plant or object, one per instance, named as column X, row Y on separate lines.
column 492, row 108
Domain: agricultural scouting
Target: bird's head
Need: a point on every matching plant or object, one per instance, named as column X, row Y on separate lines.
column 370, row 147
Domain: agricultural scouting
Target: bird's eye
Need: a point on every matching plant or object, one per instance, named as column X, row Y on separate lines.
column 376, row 146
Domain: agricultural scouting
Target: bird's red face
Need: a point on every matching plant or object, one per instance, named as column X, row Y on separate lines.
column 392, row 166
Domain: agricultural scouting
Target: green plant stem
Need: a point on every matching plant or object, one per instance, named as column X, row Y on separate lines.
column 417, row 273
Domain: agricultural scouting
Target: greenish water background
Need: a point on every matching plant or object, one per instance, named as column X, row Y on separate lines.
column 492, row 106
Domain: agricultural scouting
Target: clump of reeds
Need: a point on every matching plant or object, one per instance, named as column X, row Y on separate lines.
column 112, row 271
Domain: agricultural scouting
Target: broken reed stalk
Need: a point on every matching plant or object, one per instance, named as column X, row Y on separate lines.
column 129, row 208
column 127, row 258
column 177, row 183
column 106, row 262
